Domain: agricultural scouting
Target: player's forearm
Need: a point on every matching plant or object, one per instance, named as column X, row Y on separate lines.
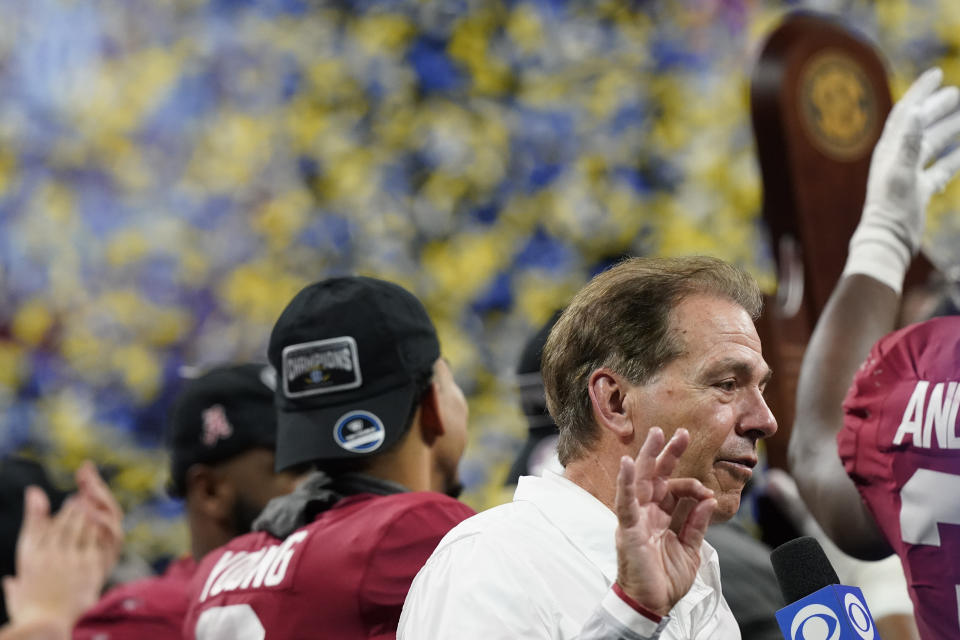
column 860, row 311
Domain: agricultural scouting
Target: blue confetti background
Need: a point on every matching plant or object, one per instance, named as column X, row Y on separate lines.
column 173, row 171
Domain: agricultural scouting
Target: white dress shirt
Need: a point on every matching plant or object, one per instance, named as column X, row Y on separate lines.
column 543, row 566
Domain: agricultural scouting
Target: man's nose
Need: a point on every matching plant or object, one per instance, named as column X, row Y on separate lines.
column 758, row 421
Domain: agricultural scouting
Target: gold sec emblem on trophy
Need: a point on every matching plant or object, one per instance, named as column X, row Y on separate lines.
column 838, row 107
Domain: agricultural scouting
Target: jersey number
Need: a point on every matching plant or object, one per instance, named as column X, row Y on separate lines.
column 233, row 622
column 927, row 499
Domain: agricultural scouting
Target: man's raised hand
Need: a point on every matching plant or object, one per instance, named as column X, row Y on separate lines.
column 657, row 565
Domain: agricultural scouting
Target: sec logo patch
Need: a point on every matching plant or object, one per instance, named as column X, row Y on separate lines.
column 359, row 432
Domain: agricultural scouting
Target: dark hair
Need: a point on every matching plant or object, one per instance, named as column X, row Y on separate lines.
column 621, row 320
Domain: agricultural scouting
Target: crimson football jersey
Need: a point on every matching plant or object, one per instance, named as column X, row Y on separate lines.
column 901, row 446
column 152, row 608
column 345, row 575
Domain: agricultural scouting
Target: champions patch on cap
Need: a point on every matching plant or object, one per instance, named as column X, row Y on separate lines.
column 359, row 431
column 324, row 366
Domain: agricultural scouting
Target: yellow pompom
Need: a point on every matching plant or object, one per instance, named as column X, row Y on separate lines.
column 56, row 202
column 539, row 296
column 68, row 417
column 259, row 291
column 281, row 218
column 13, row 364
column 468, row 45
column 525, row 28
column 464, row 264
column 8, row 169
column 139, row 369
column 141, row 477
column 383, row 32
column 893, row 15
column 194, row 266
column 305, row 121
column 31, row 322
column 232, row 153
column 682, row 235
column 123, row 306
column 165, row 326
column 455, row 345
column 350, row 177
column 85, row 353
column 125, row 161
column 126, row 247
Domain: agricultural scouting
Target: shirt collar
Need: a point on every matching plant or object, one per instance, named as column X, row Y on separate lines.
column 590, row 526
column 585, row 521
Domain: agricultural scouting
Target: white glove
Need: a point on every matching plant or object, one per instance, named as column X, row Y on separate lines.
column 900, row 185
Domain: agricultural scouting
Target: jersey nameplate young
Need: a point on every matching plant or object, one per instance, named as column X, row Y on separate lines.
column 266, row 567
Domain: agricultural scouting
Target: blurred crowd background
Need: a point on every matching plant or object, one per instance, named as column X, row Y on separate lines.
column 173, row 171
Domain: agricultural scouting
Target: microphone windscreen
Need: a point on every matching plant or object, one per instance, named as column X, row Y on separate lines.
column 802, row 568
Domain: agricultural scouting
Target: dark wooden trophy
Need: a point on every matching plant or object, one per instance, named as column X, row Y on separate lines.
column 819, row 97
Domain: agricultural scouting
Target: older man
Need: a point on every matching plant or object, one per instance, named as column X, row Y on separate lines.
column 652, row 359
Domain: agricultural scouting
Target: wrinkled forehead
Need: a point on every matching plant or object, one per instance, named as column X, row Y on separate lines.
column 716, row 333
column 700, row 320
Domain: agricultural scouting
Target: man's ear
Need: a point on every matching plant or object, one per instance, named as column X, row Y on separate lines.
column 210, row 491
column 431, row 418
column 608, row 395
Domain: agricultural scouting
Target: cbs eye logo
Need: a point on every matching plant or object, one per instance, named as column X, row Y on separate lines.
column 815, row 622
column 819, row 622
column 859, row 617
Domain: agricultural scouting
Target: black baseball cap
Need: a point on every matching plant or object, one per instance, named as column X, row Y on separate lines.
column 542, row 432
column 352, row 355
column 218, row 415
column 533, row 399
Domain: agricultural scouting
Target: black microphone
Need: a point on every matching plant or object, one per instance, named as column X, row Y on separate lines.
column 819, row 606
column 815, row 571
